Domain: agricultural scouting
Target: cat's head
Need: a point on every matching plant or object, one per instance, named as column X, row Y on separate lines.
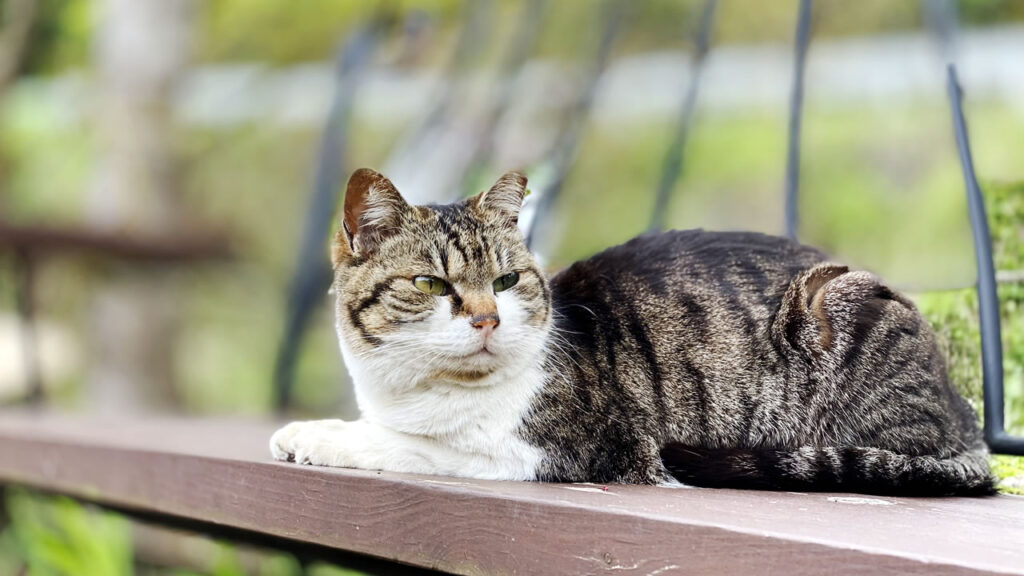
column 436, row 293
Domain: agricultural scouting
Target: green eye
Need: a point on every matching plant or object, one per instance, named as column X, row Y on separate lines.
column 430, row 285
column 505, row 282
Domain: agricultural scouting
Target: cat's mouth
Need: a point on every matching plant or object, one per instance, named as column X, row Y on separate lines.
column 483, row 352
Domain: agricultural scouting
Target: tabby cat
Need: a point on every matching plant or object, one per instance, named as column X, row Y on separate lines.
column 708, row 358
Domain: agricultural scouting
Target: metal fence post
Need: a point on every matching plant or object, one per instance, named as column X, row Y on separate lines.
column 796, row 104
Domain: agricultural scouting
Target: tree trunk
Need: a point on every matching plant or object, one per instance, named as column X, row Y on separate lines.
column 141, row 49
column 16, row 18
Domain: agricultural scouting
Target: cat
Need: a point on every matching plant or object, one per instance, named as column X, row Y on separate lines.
column 720, row 359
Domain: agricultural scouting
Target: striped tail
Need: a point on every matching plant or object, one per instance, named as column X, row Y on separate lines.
column 845, row 469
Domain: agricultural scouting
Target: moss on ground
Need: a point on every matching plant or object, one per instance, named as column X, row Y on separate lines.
column 1010, row 471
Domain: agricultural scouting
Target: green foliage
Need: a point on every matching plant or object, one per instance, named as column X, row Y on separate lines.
column 1005, row 206
column 954, row 315
column 47, row 159
column 328, row 570
column 1010, row 469
column 55, row 536
column 60, row 36
column 275, row 31
column 281, row 565
column 990, row 11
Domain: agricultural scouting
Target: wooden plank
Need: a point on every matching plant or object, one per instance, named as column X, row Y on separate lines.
column 195, row 245
column 219, row 473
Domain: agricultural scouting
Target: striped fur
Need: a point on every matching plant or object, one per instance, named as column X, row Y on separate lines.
column 846, row 469
column 711, row 358
column 744, row 360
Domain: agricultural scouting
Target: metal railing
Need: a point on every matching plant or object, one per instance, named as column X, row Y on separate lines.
column 988, row 298
column 796, row 106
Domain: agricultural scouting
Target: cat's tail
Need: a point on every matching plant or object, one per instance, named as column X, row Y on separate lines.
column 846, row 469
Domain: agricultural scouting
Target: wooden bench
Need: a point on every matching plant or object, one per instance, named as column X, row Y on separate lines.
column 216, row 475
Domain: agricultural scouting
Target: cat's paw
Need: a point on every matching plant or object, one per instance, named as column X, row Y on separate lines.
column 315, row 443
column 281, row 443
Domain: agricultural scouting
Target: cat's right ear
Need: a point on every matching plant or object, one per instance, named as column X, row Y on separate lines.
column 373, row 210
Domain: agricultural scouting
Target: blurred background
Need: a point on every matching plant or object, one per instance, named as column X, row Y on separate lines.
column 160, row 163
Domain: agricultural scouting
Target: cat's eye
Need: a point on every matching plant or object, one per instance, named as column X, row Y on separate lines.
column 430, row 285
column 505, row 282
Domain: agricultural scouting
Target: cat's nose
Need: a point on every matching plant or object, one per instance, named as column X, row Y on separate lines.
column 485, row 323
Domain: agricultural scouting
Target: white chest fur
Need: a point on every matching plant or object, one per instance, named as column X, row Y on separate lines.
column 454, row 429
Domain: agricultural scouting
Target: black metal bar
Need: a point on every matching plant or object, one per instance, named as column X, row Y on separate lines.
column 941, row 18
column 672, row 166
column 988, row 297
column 796, row 104
column 942, row 21
column 312, row 274
column 25, row 270
column 564, row 152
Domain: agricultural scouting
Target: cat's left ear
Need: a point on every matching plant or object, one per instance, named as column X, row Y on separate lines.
column 502, row 202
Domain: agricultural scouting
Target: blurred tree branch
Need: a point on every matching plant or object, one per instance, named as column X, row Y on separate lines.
column 18, row 16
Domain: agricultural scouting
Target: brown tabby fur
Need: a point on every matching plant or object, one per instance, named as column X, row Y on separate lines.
column 715, row 358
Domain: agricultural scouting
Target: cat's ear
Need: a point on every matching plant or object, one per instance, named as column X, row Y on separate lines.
column 502, row 202
column 373, row 210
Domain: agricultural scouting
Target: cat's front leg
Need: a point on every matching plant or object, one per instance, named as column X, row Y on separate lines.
column 317, row 442
column 358, row 444
column 369, row 446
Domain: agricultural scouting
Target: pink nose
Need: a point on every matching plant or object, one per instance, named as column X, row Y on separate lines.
column 486, row 323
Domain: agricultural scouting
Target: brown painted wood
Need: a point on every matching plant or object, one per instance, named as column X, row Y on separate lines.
column 51, row 240
column 219, row 472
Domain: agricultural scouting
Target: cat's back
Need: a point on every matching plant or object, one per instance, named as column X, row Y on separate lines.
column 656, row 270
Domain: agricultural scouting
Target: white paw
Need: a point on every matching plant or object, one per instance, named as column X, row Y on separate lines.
column 281, row 445
column 318, row 443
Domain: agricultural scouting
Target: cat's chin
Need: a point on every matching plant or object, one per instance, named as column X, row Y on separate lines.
column 463, row 377
column 481, row 369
